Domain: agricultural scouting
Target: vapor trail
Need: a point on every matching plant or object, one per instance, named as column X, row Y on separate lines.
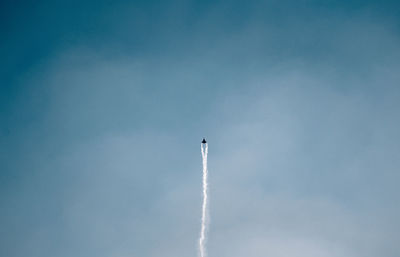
column 204, row 218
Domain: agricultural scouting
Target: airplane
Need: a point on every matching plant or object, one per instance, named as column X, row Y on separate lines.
column 204, row 141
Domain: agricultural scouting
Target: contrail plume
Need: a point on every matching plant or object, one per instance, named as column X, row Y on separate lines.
column 204, row 211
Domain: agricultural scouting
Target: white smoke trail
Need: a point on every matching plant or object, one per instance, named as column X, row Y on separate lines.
column 204, row 218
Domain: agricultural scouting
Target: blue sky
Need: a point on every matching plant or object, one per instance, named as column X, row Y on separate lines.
column 103, row 105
